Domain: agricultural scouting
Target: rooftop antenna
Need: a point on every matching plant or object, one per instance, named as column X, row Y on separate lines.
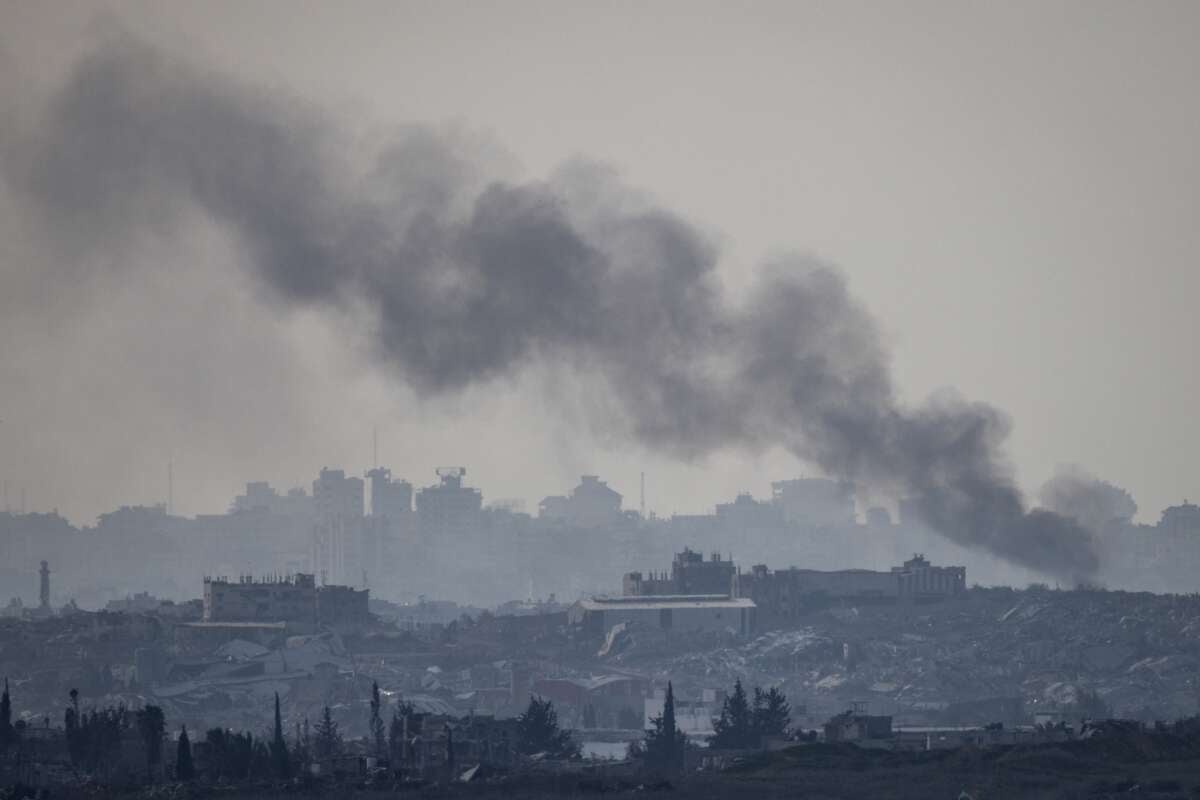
column 375, row 446
column 643, row 503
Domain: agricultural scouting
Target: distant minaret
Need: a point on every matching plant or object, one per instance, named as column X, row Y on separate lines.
column 45, row 573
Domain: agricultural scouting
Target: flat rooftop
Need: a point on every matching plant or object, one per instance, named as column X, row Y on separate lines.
column 652, row 602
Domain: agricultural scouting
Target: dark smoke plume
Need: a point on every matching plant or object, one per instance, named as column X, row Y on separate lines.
column 1075, row 492
column 462, row 281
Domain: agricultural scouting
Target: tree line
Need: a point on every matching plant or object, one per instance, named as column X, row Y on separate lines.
column 94, row 736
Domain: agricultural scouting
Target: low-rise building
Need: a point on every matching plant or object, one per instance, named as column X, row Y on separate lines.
column 681, row 613
column 286, row 598
column 852, row 726
column 604, row 701
column 789, row 592
column 690, row 575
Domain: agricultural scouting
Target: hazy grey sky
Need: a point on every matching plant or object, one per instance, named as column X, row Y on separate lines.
column 1012, row 189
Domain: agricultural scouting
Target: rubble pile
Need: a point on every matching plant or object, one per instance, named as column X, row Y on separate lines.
column 1066, row 653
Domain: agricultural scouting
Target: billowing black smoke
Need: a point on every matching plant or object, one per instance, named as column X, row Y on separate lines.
column 1096, row 503
column 461, row 281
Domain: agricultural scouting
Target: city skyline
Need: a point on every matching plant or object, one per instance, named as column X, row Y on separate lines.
column 1084, row 344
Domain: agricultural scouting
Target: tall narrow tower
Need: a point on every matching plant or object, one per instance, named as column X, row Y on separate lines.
column 642, row 504
column 45, row 593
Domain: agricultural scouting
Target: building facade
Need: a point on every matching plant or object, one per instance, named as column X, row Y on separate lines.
column 293, row 599
column 690, row 575
column 449, row 511
column 679, row 613
column 785, row 593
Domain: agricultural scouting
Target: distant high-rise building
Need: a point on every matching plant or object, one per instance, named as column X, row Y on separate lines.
column 816, row 502
column 389, row 541
column 335, row 495
column 260, row 495
column 592, row 504
column 44, row 572
column 747, row 514
column 449, row 510
column 389, row 498
column 338, row 528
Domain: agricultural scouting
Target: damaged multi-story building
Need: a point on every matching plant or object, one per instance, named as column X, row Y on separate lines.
column 784, row 593
column 296, row 600
column 690, row 575
column 793, row 591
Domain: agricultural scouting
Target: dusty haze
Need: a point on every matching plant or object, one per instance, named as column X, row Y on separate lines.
column 1012, row 280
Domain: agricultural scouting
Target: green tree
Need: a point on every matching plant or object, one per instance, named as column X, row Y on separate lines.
column 665, row 743
column 281, row 762
column 184, row 770
column 771, row 716
column 302, row 750
column 375, row 724
column 328, row 741
column 235, row 756
column 396, row 744
column 7, row 732
column 734, row 729
column 261, row 765
column 73, row 723
column 151, row 724
column 538, row 732
column 94, row 738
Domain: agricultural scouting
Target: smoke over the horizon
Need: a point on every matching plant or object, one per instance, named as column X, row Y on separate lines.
column 461, row 280
column 1075, row 492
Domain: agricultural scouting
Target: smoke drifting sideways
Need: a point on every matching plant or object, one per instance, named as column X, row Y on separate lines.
column 461, row 280
column 1096, row 503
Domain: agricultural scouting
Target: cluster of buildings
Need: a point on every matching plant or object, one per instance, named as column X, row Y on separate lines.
column 714, row 595
column 443, row 539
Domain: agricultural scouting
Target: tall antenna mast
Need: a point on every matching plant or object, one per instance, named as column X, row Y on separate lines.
column 375, row 446
column 643, row 505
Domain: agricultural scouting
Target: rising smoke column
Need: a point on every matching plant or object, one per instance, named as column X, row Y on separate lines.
column 460, row 281
column 1096, row 503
